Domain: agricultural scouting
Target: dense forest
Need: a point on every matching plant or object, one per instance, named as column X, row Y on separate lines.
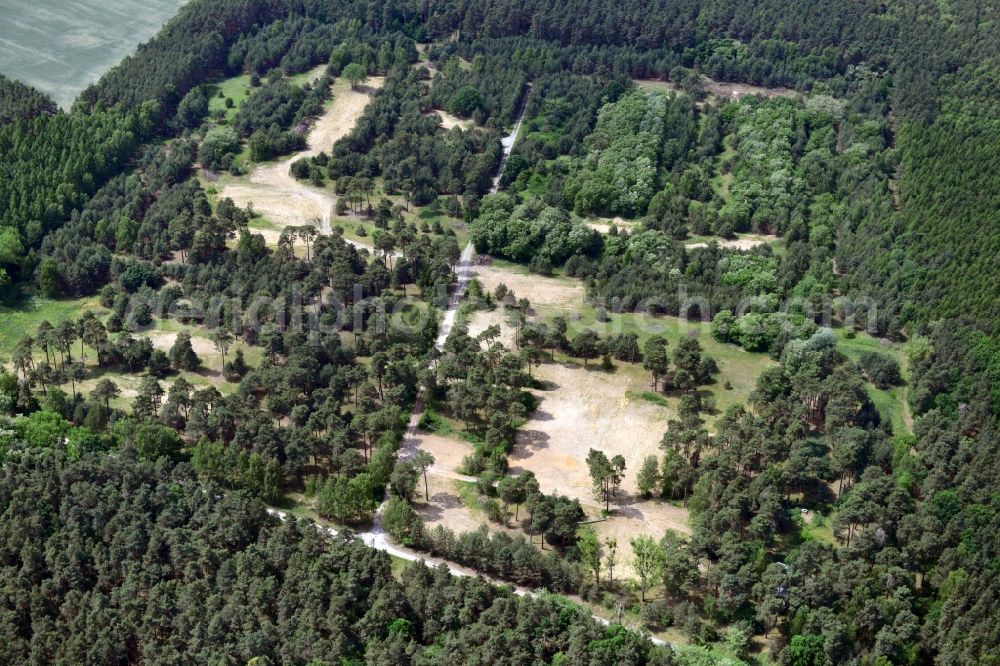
column 871, row 159
column 111, row 559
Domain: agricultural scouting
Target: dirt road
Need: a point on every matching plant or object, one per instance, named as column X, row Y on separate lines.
column 282, row 199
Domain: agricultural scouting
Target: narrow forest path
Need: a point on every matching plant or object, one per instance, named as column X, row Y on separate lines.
column 463, row 273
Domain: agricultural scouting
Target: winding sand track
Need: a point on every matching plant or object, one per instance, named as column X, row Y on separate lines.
column 282, row 199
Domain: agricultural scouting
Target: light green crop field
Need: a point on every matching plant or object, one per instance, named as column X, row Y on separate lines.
column 62, row 46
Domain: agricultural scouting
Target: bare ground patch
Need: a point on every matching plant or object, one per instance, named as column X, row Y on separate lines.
column 165, row 340
column 603, row 225
column 723, row 89
column 282, row 199
column 588, row 408
column 583, row 409
column 741, row 242
column 448, row 121
column 483, row 319
column 545, row 293
column 737, row 90
column 446, row 507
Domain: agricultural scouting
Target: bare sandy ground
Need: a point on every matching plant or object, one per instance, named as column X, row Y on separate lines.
column 447, row 451
column 726, row 90
column 585, row 409
column 580, row 410
column 483, row 319
column 603, row 225
column 545, row 293
column 445, row 506
column 285, row 201
column 449, row 121
column 737, row 90
column 165, row 340
column 742, row 242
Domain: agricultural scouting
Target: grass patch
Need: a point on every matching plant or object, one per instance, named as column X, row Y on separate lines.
column 648, row 396
column 436, row 423
column 236, row 88
column 892, row 402
column 398, row 566
column 261, row 223
column 469, row 494
column 819, row 528
column 308, row 76
column 24, row 319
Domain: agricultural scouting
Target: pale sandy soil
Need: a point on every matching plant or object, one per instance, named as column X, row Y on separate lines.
column 165, row 340
column 271, row 237
column 742, row 242
column 285, row 201
column 581, row 409
column 603, row 225
column 545, row 293
column 585, row 409
column 447, row 451
column 731, row 91
column 449, row 121
column 737, row 90
column 128, row 385
column 445, row 506
column 483, row 319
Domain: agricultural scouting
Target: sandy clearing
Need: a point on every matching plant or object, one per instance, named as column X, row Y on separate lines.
column 737, row 90
column 545, row 293
column 723, row 89
column 448, row 121
column 127, row 386
column 603, row 225
column 652, row 518
column 584, row 409
column 483, row 319
column 741, row 242
column 339, row 119
column 165, row 340
column 271, row 237
column 589, row 408
column 447, row 451
column 285, row 201
column 445, row 506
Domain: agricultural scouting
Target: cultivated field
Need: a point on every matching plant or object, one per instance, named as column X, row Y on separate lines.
column 61, row 46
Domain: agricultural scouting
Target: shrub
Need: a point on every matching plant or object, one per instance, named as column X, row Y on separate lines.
column 881, row 369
